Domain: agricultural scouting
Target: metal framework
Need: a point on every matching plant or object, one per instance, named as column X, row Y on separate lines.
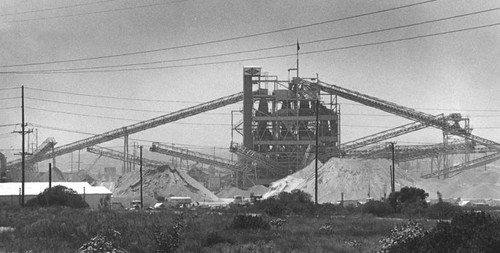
column 450, row 125
column 240, row 170
column 279, row 123
column 135, row 128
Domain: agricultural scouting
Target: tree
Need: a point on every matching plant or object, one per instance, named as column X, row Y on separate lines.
column 58, row 196
column 408, row 197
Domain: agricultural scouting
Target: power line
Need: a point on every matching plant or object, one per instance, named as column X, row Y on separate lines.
column 436, row 109
column 54, row 8
column 109, row 107
column 258, row 58
column 91, row 13
column 217, row 41
column 274, row 47
column 12, row 107
column 114, row 97
column 9, row 88
column 8, row 125
column 9, row 98
column 135, row 139
column 116, row 118
column 158, row 111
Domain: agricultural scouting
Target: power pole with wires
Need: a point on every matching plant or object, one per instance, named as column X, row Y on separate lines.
column 23, row 132
column 140, row 171
column 393, row 168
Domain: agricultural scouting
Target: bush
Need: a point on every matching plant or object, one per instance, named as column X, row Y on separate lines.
column 403, row 238
column 377, row 208
column 443, row 210
column 297, row 202
column 408, row 198
column 272, row 207
column 170, row 240
column 58, row 196
column 214, row 238
column 103, row 242
column 467, row 232
column 249, row 222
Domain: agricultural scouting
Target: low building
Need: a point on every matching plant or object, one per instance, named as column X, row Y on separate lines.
column 10, row 193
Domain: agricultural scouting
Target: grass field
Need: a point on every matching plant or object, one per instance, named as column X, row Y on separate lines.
column 59, row 229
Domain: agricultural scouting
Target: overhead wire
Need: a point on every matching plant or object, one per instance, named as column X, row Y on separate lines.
column 276, row 47
column 109, row 107
column 55, row 8
column 9, row 98
column 8, row 125
column 434, row 109
column 218, row 40
column 9, row 88
column 112, row 97
column 117, row 118
column 258, row 58
column 135, row 139
column 90, row 13
column 8, row 108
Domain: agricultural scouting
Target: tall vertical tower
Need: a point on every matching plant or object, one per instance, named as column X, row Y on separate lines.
column 279, row 123
column 250, row 75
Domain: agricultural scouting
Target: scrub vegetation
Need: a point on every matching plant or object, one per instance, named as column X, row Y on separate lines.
column 290, row 222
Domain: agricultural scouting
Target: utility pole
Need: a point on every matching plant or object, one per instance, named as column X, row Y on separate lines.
column 23, row 132
column 316, row 159
column 393, row 175
column 140, row 171
column 50, row 176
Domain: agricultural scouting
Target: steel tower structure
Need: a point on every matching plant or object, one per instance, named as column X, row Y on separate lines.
column 279, row 123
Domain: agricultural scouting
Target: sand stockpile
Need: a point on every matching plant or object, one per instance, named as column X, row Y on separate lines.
column 162, row 181
column 471, row 184
column 354, row 177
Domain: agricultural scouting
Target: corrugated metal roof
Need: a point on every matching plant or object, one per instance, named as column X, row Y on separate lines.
column 35, row 188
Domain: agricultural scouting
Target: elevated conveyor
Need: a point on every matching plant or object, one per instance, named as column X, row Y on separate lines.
column 117, row 155
column 251, row 155
column 195, row 156
column 465, row 166
column 135, row 128
column 384, row 135
column 401, row 111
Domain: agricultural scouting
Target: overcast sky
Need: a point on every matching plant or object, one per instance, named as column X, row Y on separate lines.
column 455, row 72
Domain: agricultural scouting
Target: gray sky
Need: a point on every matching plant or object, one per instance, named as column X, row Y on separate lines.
column 455, row 72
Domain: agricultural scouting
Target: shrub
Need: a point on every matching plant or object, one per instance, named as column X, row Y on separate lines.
column 272, row 207
column 249, row 222
column 214, row 238
column 467, row 232
column 377, row 208
column 297, row 202
column 328, row 228
column 170, row 240
column 403, row 238
column 443, row 210
column 102, row 242
column 408, row 198
column 58, row 196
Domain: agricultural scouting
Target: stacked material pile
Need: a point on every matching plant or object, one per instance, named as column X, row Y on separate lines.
column 162, row 181
column 357, row 179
